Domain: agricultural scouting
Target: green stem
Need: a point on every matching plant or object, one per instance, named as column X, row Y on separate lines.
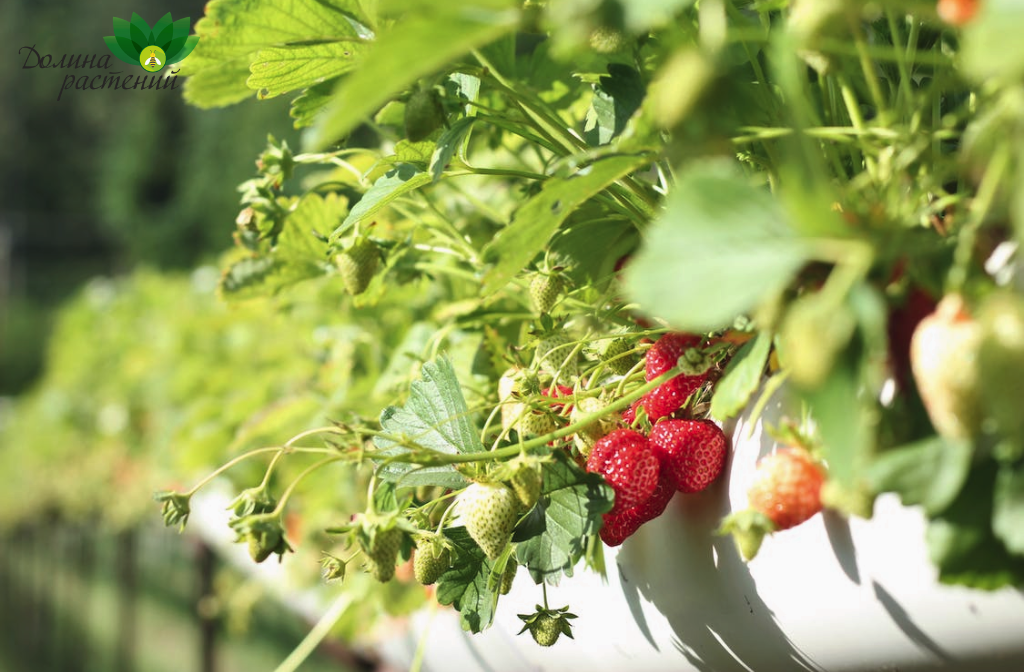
column 245, row 456
column 323, row 628
column 856, row 119
column 987, row 191
column 298, row 479
column 439, row 459
column 906, row 94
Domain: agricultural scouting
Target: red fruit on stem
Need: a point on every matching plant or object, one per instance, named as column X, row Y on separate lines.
column 787, row 487
column 957, row 12
column 671, row 395
column 692, row 452
column 625, row 459
column 620, row 526
column 556, row 392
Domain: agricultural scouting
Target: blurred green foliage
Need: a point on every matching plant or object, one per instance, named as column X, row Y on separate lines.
column 103, row 180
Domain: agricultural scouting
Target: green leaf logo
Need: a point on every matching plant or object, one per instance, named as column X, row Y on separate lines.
column 153, row 48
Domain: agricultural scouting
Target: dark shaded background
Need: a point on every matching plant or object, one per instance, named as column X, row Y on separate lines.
column 102, row 181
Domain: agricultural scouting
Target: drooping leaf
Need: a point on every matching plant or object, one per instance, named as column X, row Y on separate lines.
column 434, row 417
column 719, row 248
column 312, row 101
column 742, row 377
column 535, row 223
column 930, row 473
column 278, row 70
column 464, row 585
column 411, row 50
column 448, row 144
column 616, row 97
column 1008, row 513
column 961, row 542
column 392, row 185
column 571, row 504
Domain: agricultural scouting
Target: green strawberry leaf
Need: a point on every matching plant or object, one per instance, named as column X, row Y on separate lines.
column 464, row 585
column 1008, row 513
column 435, row 417
column 742, row 377
column 725, row 240
column 616, row 97
column 537, row 221
column 961, row 542
column 234, row 32
column 448, row 144
column 394, row 184
column 277, row 70
column 930, row 472
column 411, row 50
column 306, row 106
column 296, row 256
column 571, row 504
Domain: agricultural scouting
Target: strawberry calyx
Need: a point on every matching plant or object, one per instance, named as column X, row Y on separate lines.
column 748, row 529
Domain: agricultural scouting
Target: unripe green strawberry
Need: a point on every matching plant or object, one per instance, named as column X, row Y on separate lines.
column 615, row 357
column 1001, row 362
column 424, row 114
column 382, row 552
column 607, row 40
column 262, row 546
column 544, row 291
column 545, row 625
column 588, row 434
column 431, row 561
column 546, row 630
column 358, row 264
column 507, row 577
column 555, row 355
column 489, row 512
column 944, row 360
column 536, row 423
column 526, row 483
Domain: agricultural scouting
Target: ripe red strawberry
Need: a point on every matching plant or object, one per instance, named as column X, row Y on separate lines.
column 557, row 392
column 943, row 358
column 787, row 487
column 671, row 395
column 629, row 415
column 625, row 459
column 692, row 452
column 957, row 12
column 786, row 491
column 620, row 526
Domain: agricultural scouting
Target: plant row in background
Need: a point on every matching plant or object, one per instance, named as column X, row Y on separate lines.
column 527, row 270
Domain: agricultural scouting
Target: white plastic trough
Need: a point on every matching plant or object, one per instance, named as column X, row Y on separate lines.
column 832, row 594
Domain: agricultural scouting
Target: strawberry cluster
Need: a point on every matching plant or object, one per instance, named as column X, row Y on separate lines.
column 678, row 455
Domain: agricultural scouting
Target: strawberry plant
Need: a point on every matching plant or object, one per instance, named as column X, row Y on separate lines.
column 547, row 249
